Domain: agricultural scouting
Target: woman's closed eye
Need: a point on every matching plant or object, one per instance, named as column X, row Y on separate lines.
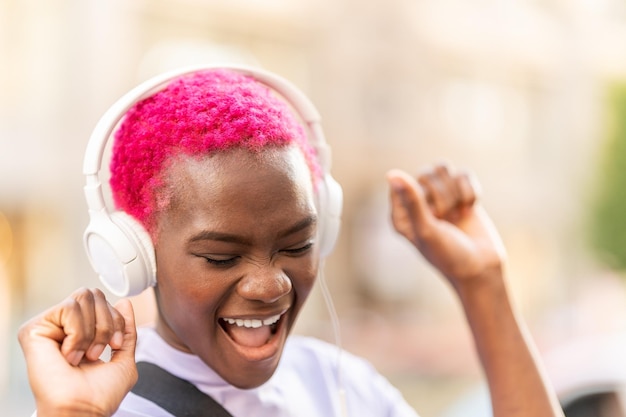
column 299, row 250
column 221, row 261
column 225, row 261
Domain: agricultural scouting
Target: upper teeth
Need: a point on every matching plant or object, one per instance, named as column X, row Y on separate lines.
column 253, row 323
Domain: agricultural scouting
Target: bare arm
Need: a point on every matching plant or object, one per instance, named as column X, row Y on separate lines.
column 438, row 213
column 62, row 347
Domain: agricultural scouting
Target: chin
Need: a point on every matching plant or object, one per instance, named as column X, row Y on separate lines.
column 250, row 379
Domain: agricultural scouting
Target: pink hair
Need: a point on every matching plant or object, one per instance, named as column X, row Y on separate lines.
column 205, row 112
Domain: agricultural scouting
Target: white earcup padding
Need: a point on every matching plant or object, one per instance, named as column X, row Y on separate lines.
column 121, row 253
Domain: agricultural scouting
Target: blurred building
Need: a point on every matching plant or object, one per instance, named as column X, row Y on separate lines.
column 513, row 90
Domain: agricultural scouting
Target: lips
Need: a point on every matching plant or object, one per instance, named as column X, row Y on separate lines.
column 251, row 332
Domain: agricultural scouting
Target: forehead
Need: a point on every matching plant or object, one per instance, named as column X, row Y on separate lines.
column 239, row 174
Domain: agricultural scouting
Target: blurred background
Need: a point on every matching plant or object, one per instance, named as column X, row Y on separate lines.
column 527, row 94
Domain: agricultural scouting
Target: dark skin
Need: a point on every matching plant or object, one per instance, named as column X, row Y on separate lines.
column 232, row 247
column 64, row 379
column 437, row 212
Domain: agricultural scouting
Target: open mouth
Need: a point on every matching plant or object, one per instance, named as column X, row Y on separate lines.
column 251, row 332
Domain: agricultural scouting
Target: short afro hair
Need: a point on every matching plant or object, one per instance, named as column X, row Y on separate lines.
column 197, row 115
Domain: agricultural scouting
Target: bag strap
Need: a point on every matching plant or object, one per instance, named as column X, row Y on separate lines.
column 179, row 397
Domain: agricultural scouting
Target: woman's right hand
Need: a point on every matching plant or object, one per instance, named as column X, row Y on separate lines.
column 62, row 347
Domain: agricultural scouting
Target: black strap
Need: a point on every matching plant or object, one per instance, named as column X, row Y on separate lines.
column 177, row 396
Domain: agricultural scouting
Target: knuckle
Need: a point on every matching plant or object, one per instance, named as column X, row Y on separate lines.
column 24, row 331
column 442, row 168
column 71, row 305
column 118, row 322
column 98, row 294
column 83, row 295
column 103, row 331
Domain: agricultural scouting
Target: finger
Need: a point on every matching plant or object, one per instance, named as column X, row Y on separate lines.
column 441, row 190
column 128, row 340
column 468, row 189
column 119, row 325
column 104, row 325
column 409, row 208
column 40, row 340
column 124, row 356
column 78, row 321
column 59, row 328
column 45, row 328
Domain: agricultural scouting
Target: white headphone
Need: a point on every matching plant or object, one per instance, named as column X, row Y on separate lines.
column 120, row 249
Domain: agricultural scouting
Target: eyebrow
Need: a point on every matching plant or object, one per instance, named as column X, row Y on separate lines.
column 232, row 238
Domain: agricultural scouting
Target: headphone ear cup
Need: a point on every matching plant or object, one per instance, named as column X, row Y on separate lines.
column 121, row 252
column 146, row 254
column 330, row 207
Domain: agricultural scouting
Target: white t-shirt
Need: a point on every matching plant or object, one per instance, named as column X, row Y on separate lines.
column 304, row 385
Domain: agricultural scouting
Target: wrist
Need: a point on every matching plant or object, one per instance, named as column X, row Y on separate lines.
column 485, row 288
column 69, row 410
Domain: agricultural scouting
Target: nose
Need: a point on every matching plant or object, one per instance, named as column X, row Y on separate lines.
column 264, row 283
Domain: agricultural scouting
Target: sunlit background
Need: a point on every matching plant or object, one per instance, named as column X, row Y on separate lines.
column 520, row 92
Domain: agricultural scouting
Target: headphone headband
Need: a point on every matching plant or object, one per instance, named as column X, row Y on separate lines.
column 107, row 123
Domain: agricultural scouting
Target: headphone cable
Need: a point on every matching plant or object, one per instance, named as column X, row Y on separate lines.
column 334, row 320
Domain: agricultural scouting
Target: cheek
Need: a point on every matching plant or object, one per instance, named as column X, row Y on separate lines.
column 186, row 287
column 303, row 278
column 188, row 302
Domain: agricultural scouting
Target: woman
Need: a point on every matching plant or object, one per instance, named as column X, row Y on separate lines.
column 219, row 173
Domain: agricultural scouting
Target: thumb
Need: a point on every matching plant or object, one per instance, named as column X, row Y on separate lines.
column 126, row 353
column 124, row 357
column 409, row 209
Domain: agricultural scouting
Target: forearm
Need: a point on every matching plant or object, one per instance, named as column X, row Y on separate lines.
column 517, row 383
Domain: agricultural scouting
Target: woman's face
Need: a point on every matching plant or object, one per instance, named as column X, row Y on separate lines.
column 236, row 258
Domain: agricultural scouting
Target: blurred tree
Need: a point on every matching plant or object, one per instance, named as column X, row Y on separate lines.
column 608, row 220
